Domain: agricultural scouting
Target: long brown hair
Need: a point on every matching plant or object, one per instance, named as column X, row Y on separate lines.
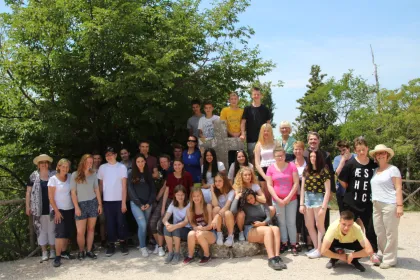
column 203, row 205
column 81, row 177
column 227, row 187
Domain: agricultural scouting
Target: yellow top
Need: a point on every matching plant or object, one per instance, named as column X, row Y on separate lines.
column 334, row 232
column 233, row 118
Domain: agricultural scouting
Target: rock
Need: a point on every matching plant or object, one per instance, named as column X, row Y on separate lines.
column 221, row 251
column 245, row 249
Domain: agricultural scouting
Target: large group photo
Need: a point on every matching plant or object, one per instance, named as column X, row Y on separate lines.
column 137, row 140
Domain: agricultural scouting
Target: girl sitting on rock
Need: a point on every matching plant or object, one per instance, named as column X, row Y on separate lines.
column 200, row 218
column 257, row 226
column 222, row 197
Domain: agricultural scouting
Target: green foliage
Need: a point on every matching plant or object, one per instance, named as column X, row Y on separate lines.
column 79, row 75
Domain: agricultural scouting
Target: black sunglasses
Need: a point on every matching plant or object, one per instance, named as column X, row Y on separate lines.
column 193, row 141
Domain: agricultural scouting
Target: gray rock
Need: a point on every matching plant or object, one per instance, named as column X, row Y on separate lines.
column 240, row 249
column 245, row 249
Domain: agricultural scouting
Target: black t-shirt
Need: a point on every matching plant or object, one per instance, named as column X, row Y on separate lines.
column 255, row 117
column 44, row 194
column 357, row 176
column 328, row 166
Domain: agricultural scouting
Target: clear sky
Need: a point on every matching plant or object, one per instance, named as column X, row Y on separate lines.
column 335, row 35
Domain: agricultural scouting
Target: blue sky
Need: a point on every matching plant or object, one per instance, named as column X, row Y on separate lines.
column 335, row 35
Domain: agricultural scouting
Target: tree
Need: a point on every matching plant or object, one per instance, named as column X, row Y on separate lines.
column 79, row 75
column 317, row 110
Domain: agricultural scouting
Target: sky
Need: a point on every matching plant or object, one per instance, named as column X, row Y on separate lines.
column 335, row 35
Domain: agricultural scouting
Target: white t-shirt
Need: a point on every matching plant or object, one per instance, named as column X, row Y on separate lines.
column 224, row 198
column 383, row 188
column 210, row 180
column 111, row 176
column 62, row 194
column 255, row 187
column 178, row 215
column 231, row 172
column 206, row 126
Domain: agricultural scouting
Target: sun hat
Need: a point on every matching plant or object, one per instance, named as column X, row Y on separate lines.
column 42, row 157
column 381, row 148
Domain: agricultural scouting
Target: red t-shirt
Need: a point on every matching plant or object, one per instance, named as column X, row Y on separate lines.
column 172, row 182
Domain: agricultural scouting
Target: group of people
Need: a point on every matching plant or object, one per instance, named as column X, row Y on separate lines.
column 277, row 193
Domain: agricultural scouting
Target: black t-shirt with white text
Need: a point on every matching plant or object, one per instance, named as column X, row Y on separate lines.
column 357, row 176
column 255, row 117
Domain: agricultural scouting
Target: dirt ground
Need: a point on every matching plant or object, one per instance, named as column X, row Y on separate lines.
column 133, row 266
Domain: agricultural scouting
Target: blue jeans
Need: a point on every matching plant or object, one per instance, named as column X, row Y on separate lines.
column 142, row 218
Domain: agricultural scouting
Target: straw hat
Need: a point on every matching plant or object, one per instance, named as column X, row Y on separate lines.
column 42, row 157
column 381, row 148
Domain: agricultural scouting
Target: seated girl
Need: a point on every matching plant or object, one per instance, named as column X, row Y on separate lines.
column 200, row 218
column 246, row 179
column 258, row 228
column 222, row 197
column 240, row 161
column 179, row 228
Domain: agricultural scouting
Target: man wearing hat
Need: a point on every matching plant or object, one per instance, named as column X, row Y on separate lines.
column 113, row 184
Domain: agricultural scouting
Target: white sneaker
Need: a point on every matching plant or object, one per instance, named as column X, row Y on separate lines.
column 144, row 252
column 161, row 252
column 52, row 254
column 310, row 251
column 44, row 256
column 219, row 240
column 314, row 255
column 156, row 250
column 241, row 236
column 229, row 241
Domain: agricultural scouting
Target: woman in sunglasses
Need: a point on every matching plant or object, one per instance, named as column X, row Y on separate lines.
column 192, row 159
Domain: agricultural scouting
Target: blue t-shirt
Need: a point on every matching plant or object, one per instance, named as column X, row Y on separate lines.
column 336, row 163
column 192, row 164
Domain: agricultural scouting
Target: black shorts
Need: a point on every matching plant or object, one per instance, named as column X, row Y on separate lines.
column 260, row 178
column 89, row 209
column 65, row 229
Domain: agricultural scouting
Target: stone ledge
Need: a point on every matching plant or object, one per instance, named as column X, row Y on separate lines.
column 239, row 249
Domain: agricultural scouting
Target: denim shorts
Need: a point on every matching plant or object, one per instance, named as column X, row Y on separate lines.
column 179, row 232
column 247, row 228
column 89, row 209
column 313, row 200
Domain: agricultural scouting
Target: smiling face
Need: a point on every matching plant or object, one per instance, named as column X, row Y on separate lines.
column 247, row 177
column 285, row 130
column 250, row 199
column 178, row 166
column 312, row 158
column 382, row 157
column 191, row 142
column 140, row 162
column 298, row 151
column 233, row 99
column 164, row 163
column 110, row 157
column 209, row 157
column 313, row 142
column 240, row 157
column 125, row 155
column 218, row 182
column 196, row 109
column 256, row 95
column 43, row 165
column 280, row 157
column 180, row 197
column 63, row 168
column 88, row 163
column 196, row 197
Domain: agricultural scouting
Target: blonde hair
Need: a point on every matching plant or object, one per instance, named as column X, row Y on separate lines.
column 60, row 163
column 239, row 182
column 270, row 139
column 81, row 177
column 299, row 144
column 285, row 124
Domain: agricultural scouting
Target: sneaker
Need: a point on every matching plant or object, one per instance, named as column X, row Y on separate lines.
column 52, row 254
column 385, row 265
column 144, row 252
column 331, row 263
column 57, row 261
column 310, row 251
column 294, row 250
column 91, row 255
column 110, row 250
column 81, row 255
column 241, row 236
column 358, row 266
column 219, row 240
column 188, row 260
column 314, row 255
column 298, row 247
column 375, row 259
column 274, row 264
column 176, row 258
column 161, row 252
column 280, row 262
column 66, row 255
column 156, row 250
column 169, row 257
column 283, row 248
column 123, row 248
column 204, row 260
column 44, row 256
column 229, row 241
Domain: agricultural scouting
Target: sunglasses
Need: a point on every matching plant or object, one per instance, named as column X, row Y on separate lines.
column 43, row 162
column 192, row 141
